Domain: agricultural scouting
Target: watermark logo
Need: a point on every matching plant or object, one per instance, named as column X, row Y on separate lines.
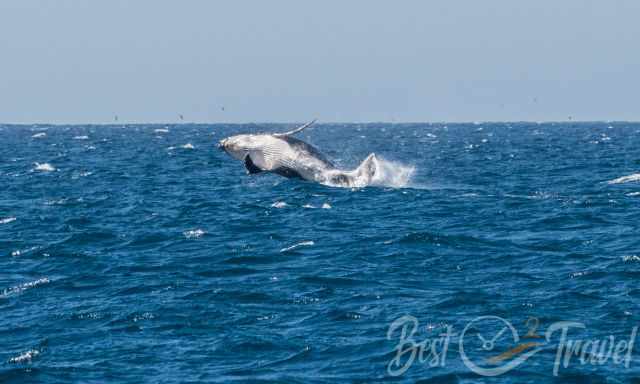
column 492, row 346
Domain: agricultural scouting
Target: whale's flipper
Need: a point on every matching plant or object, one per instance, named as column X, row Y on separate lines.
column 299, row 129
column 251, row 167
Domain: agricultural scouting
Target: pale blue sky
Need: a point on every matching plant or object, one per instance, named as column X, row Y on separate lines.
column 291, row 60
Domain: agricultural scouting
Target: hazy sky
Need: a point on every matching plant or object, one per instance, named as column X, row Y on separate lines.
column 291, row 60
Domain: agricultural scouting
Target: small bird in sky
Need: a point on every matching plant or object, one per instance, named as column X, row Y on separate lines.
column 181, row 117
column 115, row 118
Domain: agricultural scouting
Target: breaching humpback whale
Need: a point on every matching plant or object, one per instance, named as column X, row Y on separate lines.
column 285, row 155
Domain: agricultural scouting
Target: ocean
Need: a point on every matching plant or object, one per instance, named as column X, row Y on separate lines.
column 489, row 252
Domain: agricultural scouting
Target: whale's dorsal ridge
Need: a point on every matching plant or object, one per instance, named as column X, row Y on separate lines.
column 299, row 129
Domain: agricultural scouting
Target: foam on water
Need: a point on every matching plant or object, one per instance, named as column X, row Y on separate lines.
column 298, row 245
column 23, row 287
column 7, row 220
column 194, row 233
column 44, row 167
column 24, row 357
column 625, row 179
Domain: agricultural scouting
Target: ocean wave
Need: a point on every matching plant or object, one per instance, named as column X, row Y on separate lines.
column 298, row 245
column 23, row 287
column 625, row 179
column 44, row 167
column 7, row 220
column 24, row 357
column 194, row 233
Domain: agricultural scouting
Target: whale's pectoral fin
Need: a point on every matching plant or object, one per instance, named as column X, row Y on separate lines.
column 299, row 129
column 251, row 167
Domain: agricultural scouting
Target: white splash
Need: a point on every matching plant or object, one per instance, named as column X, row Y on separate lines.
column 187, row 146
column 7, row 220
column 44, row 167
column 279, row 204
column 298, row 245
column 326, row 206
column 625, row 179
column 194, row 233
column 392, row 174
column 387, row 174
column 24, row 357
column 39, row 135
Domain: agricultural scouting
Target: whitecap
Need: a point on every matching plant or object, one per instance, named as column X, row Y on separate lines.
column 279, row 204
column 39, row 135
column 161, row 130
column 187, row 146
column 77, row 174
column 19, row 252
column 625, row 179
column 24, row 357
column 7, row 220
column 23, row 287
column 633, row 194
column 298, row 245
column 194, row 233
column 308, row 206
column 326, row 206
column 633, row 258
column 44, row 167
column 83, row 137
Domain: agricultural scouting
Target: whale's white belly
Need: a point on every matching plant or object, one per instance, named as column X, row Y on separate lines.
column 276, row 154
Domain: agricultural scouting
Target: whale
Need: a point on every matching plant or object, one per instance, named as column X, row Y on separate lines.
column 285, row 155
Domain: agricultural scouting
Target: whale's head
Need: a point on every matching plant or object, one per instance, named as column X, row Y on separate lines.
column 238, row 146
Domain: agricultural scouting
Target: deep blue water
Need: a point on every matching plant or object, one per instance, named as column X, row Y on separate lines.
column 128, row 258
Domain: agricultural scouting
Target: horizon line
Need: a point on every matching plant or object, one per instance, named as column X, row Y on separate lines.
column 472, row 122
